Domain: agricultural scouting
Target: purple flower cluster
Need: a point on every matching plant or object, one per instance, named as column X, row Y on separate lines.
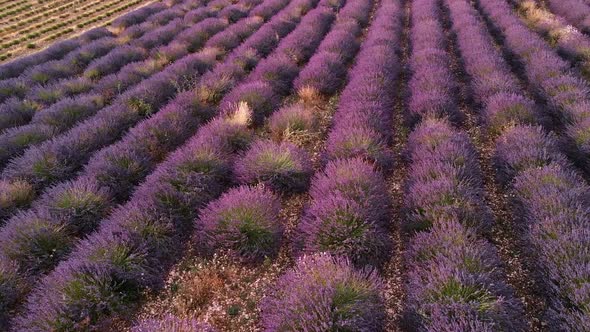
column 348, row 213
column 291, row 120
column 13, row 87
column 9, row 286
column 283, row 167
column 244, row 220
column 132, row 247
column 323, row 293
column 172, row 323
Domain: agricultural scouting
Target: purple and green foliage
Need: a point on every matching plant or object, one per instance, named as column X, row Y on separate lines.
column 283, row 167
column 323, row 292
column 245, row 221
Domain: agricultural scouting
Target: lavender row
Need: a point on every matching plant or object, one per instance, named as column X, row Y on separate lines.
column 54, row 52
column 348, row 211
column 326, row 71
column 359, row 131
column 17, row 112
column 65, row 114
column 168, row 201
column 565, row 93
column 570, row 41
column 129, row 108
column 542, row 180
column 432, row 84
column 72, row 64
column 455, row 280
column 577, row 12
column 361, row 122
column 74, row 208
column 551, row 206
column 76, row 61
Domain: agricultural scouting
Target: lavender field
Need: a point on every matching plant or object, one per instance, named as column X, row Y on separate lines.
column 301, row 165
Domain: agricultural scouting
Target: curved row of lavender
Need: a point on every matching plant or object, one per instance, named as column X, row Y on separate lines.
column 345, row 223
column 165, row 204
column 126, row 70
column 570, row 42
column 565, row 94
column 550, row 203
column 455, row 279
column 73, row 209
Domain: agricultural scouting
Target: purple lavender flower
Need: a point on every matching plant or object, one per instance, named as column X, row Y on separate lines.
column 35, row 241
column 325, row 293
column 282, row 166
column 455, row 282
column 524, row 147
column 244, row 220
column 357, row 180
column 325, row 73
column 504, row 110
column 78, row 204
column 256, row 99
column 171, row 323
column 348, row 141
column 13, row 87
column 291, row 121
column 344, row 227
column 15, row 112
column 278, row 72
